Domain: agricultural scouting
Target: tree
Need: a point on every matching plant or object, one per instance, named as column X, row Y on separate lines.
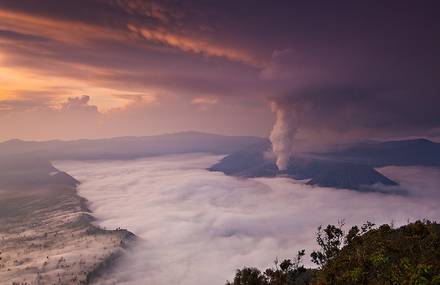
column 289, row 272
column 408, row 255
column 330, row 241
column 248, row 276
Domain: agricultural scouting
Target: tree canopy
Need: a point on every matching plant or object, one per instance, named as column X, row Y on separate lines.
column 409, row 255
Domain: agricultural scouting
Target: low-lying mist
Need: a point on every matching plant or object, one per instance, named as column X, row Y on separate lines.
column 197, row 227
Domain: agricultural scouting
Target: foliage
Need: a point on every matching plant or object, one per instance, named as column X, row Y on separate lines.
column 289, row 272
column 409, row 255
column 330, row 240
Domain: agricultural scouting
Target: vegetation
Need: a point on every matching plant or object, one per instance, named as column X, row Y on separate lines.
column 409, row 255
column 288, row 272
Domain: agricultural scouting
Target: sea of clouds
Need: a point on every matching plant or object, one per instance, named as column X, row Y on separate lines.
column 198, row 227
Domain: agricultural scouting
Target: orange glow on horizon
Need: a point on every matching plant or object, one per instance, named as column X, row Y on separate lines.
column 14, row 82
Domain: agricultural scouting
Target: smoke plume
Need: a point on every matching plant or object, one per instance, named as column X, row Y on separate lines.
column 283, row 133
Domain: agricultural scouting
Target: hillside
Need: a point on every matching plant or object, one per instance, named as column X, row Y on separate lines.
column 45, row 228
column 407, row 255
column 364, row 255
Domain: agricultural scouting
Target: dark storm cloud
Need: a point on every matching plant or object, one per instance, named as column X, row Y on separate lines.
column 364, row 68
column 376, row 111
column 11, row 35
column 372, row 98
column 371, row 70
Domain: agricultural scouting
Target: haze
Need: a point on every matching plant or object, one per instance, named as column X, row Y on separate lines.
column 201, row 230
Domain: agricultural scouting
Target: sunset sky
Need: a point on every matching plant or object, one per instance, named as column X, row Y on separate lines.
column 105, row 68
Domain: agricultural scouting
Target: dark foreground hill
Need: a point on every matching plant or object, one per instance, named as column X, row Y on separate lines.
column 383, row 256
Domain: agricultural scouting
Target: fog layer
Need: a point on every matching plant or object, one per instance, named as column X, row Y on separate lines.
column 197, row 227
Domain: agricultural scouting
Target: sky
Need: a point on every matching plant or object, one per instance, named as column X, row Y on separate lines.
column 104, row 68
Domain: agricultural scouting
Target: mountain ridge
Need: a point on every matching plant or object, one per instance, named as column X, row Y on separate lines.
column 350, row 167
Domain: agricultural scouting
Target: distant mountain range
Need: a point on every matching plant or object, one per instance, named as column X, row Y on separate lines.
column 131, row 147
column 349, row 167
column 404, row 152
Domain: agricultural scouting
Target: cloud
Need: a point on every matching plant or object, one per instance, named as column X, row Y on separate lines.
column 286, row 64
column 43, row 117
column 88, row 49
column 199, row 230
column 17, row 105
column 154, row 9
column 68, row 31
column 134, row 115
column 12, row 35
column 188, row 44
column 371, row 72
column 335, row 99
column 78, row 104
column 204, row 103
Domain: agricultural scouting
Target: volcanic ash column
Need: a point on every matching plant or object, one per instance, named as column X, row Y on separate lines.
column 283, row 133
